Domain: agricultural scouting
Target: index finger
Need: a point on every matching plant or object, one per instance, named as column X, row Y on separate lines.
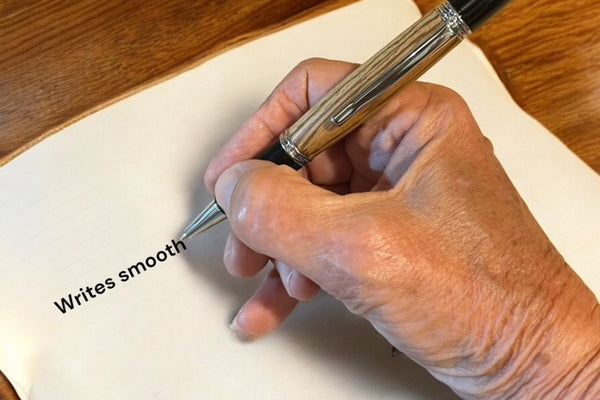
column 300, row 89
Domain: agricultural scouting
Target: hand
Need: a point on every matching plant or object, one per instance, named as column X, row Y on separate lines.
column 412, row 223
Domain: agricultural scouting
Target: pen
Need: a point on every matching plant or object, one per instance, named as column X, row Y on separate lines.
column 369, row 87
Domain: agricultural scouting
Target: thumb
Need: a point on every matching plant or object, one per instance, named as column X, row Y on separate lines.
column 277, row 212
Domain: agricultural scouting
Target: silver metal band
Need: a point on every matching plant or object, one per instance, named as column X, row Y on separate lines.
column 453, row 20
column 292, row 151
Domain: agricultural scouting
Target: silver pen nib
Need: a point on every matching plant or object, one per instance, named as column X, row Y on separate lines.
column 212, row 215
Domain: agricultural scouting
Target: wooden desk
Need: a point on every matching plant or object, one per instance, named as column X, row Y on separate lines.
column 60, row 61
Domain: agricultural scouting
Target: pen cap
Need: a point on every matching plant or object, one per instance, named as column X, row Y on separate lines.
column 476, row 12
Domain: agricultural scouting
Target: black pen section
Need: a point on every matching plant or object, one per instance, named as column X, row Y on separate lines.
column 279, row 156
column 476, row 12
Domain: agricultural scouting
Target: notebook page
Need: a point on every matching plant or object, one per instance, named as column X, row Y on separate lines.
column 90, row 219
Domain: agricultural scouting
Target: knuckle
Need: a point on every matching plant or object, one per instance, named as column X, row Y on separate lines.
column 450, row 114
column 448, row 103
column 309, row 63
column 447, row 94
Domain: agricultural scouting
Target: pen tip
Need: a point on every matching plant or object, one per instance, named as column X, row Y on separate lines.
column 212, row 215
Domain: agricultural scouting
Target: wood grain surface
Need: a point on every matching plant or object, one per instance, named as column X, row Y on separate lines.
column 7, row 392
column 60, row 61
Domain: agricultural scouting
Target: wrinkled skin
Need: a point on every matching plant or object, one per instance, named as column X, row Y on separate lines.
column 412, row 223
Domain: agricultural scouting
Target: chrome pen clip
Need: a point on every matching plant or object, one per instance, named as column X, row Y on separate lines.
column 372, row 92
column 384, row 83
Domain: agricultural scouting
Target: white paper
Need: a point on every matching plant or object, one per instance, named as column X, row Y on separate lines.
column 118, row 186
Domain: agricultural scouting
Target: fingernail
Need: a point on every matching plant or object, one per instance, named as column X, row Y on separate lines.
column 235, row 327
column 225, row 186
column 228, row 249
column 290, row 283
